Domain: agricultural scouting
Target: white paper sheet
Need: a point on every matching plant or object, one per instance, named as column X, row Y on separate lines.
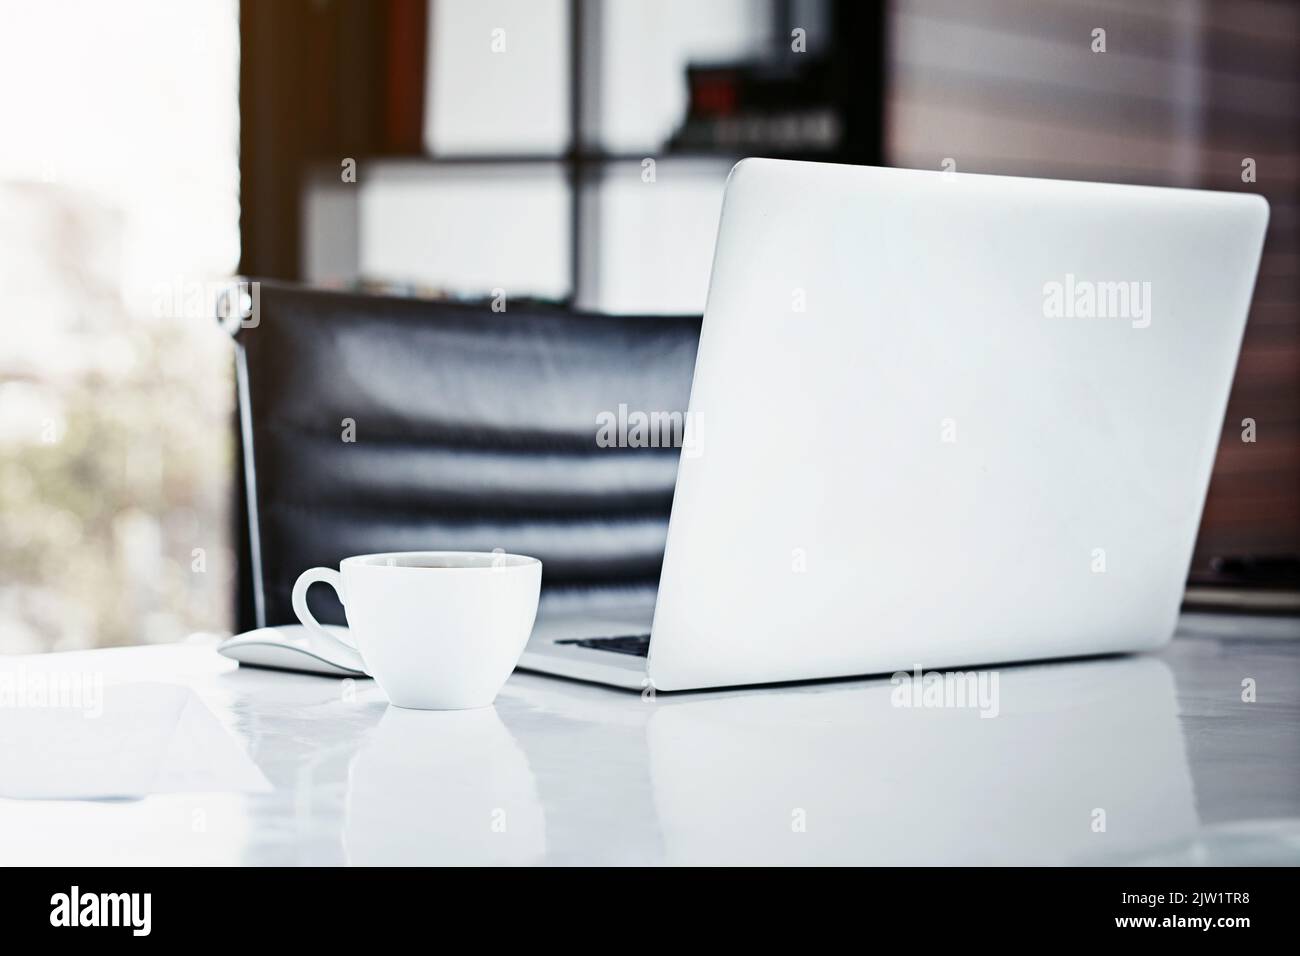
column 120, row 740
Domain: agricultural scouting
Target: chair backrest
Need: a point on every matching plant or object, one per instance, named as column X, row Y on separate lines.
column 372, row 423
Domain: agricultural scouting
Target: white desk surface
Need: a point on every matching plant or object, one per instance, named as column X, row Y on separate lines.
column 566, row 773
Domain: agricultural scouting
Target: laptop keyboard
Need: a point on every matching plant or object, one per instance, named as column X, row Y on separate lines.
column 638, row 645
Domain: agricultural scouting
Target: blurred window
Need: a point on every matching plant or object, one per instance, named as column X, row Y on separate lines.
column 119, row 181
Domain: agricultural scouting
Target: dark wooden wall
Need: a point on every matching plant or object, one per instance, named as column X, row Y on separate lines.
column 1184, row 92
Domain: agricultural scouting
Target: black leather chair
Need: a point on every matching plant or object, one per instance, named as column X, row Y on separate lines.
column 472, row 429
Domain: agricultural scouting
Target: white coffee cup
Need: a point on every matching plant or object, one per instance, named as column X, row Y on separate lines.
column 437, row 630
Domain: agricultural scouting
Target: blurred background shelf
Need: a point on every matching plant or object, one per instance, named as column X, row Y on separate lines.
column 572, row 98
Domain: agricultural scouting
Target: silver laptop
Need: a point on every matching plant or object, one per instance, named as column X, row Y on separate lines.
column 939, row 420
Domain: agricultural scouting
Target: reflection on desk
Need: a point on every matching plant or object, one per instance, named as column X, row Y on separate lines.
column 1132, row 759
column 457, row 780
column 1083, row 761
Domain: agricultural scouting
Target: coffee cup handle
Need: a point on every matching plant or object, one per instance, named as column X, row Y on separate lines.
column 308, row 620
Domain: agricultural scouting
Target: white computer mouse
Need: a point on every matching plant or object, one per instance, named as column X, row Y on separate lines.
column 291, row 647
